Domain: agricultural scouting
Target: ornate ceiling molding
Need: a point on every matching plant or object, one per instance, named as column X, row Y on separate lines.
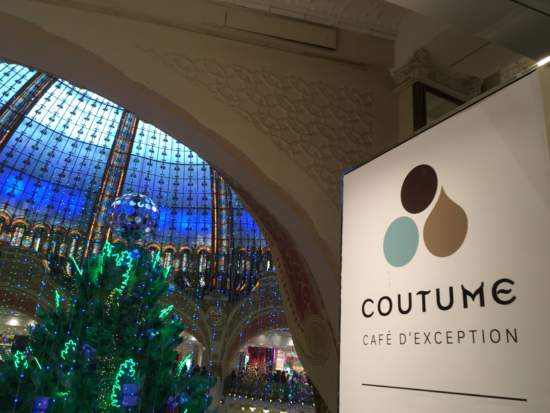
column 423, row 69
column 325, row 129
column 515, row 68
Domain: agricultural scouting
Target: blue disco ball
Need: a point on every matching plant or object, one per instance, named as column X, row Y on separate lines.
column 133, row 217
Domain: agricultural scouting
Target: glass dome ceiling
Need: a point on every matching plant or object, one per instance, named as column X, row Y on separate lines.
column 67, row 153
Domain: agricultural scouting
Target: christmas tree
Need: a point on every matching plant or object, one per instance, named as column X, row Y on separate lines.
column 112, row 350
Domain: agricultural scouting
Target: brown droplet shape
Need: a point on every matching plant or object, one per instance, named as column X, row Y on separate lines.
column 446, row 227
column 419, row 189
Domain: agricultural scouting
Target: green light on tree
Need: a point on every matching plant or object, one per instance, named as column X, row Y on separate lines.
column 128, row 364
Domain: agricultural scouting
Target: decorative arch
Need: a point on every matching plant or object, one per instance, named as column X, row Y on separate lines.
column 6, row 216
column 185, row 247
column 152, row 244
column 22, row 221
column 43, row 226
column 189, row 328
column 261, row 322
column 20, row 300
column 24, row 312
column 23, row 284
column 75, row 232
column 61, row 229
column 192, row 315
column 206, row 248
column 232, row 147
column 28, row 298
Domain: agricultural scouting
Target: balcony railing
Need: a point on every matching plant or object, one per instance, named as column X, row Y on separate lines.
column 269, row 391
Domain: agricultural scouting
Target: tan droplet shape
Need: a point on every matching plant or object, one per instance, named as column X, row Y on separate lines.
column 446, row 227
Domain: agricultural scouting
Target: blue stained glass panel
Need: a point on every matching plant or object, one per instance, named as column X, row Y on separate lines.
column 246, row 231
column 178, row 181
column 52, row 167
column 50, row 203
column 12, row 78
column 53, row 164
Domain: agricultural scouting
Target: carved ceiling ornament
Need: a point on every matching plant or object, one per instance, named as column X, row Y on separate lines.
column 216, row 316
column 324, row 129
column 423, row 69
column 516, row 68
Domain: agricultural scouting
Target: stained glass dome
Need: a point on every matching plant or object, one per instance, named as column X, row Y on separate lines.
column 66, row 154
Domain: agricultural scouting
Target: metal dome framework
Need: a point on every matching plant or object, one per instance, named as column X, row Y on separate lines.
column 66, row 154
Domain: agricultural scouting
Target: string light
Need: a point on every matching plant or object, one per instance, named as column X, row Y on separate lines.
column 128, row 364
column 67, row 344
column 76, row 265
column 107, row 249
column 156, row 259
column 124, row 256
column 19, row 357
column 165, row 312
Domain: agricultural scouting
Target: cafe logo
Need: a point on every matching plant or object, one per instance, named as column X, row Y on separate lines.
column 445, row 228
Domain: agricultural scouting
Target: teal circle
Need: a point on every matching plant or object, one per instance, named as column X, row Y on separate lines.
column 401, row 241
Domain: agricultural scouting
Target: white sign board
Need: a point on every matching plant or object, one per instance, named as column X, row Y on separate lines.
column 446, row 266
